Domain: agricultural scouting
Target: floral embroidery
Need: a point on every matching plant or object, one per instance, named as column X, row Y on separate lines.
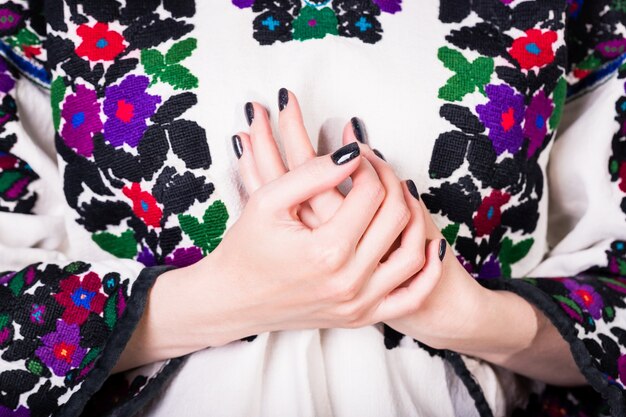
column 55, row 320
column 61, row 350
column 16, row 176
column 81, row 115
column 534, row 49
column 118, row 119
column 301, row 20
column 80, row 297
column 99, row 43
column 127, row 107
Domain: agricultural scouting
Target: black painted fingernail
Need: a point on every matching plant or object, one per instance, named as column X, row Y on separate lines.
column 442, row 249
column 346, row 153
column 249, row 110
column 412, row 189
column 237, row 146
column 357, row 128
column 283, row 98
column 378, row 154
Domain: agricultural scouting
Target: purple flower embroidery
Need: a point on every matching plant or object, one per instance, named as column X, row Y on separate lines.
column 621, row 367
column 389, row 6
column 535, row 123
column 61, row 350
column 21, row 411
column 586, row 297
column 127, row 106
column 146, row 257
column 503, row 115
column 6, row 81
column 81, row 113
column 242, row 4
column 184, row 257
column 613, row 48
column 490, row 268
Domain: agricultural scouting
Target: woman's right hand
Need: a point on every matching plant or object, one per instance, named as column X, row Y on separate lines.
column 277, row 274
column 273, row 272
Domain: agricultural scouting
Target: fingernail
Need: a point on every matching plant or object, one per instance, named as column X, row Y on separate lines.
column 357, row 128
column 237, row 146
column 249, row 110
column 378, row 154
column 413, row 189
column 442, row 249
column 283, row 98
column 346, row 153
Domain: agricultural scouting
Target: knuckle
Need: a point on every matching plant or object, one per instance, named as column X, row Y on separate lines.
column 351, row 315
column 342, row 290
column 414, row 262
column 332, row 257
column 375, row 191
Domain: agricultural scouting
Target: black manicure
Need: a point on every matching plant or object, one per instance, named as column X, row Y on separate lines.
column 357, row 128
column 378, row 154
column 413, row 189
column 237, row 146
column 283, row 98
column 346, row 154
column 249, row 110
column 442, row 249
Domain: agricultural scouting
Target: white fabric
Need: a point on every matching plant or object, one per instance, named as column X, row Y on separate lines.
column 391, row 85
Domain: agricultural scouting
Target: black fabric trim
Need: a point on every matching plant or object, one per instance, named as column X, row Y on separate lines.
column 473, row 387
column 567, row 329
column 116, row 343
column 147, row 393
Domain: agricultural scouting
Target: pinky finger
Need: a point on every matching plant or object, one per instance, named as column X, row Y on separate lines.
column 407, row 299
column 247, row 167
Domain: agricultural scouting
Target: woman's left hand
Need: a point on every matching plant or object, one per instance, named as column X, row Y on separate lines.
column 444, row 317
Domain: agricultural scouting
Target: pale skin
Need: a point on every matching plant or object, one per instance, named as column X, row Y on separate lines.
column 302, row 255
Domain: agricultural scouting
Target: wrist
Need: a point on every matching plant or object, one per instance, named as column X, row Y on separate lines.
column 503, row 325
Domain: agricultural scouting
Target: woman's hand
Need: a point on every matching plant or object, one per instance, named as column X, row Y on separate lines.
column 453, row 310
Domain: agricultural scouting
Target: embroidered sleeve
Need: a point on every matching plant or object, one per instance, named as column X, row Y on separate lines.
column 587, row 224
column 63, row 324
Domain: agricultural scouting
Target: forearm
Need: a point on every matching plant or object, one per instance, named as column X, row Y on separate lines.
column 508, row 331
column 183, row 314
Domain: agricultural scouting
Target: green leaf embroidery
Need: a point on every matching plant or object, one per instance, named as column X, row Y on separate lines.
column 8, row 178
column 609, row 312
column 17, row 283
column 621, row 264
column 511, row 253
column 613, row 282
column 180, row 50
column 558, row 97
column 179, row 77
column 90, row 357
column 450, row 232
column 208, row 234
column 57, row 93
column 153, row 61
column 23, row 38
column 469, row 76
column 34, row 366
column 123, row 246
column 570, row 303
column 110, row 314
column 167, row 68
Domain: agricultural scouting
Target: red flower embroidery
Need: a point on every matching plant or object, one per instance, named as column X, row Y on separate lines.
column 99, row 43
column 80, row 297
column 489, row 214
column 534, row 49
column 144, row 205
